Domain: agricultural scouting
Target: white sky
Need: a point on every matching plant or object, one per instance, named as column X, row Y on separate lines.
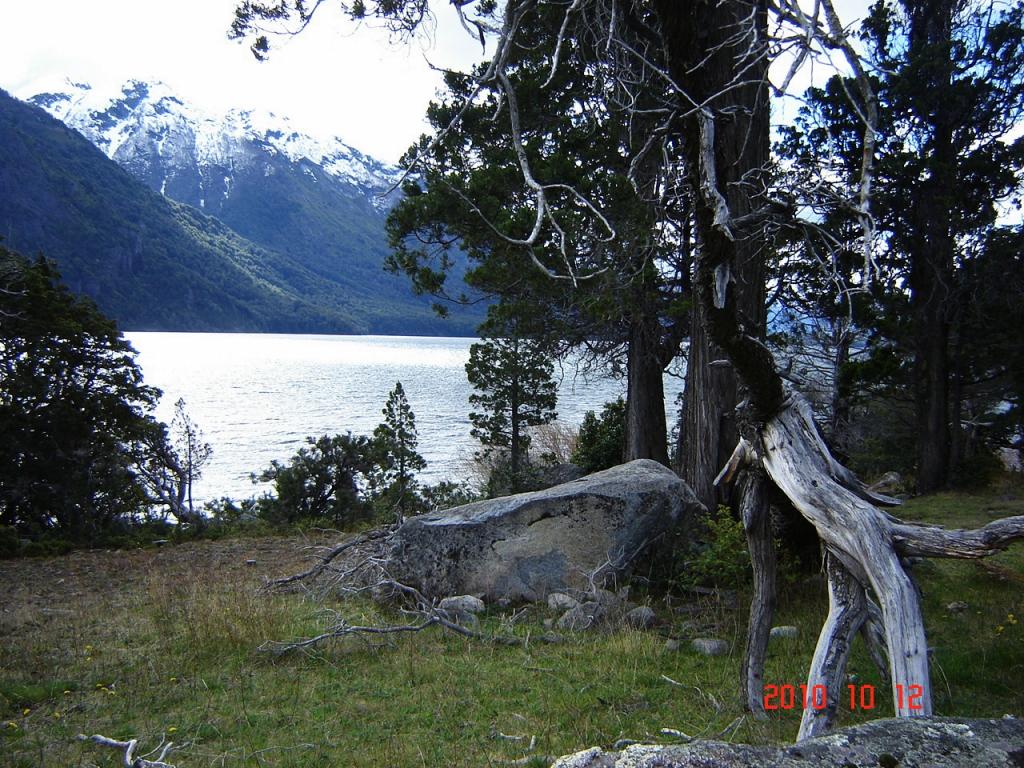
column 330, row 80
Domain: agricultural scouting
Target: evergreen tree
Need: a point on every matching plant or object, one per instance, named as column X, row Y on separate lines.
column 602, row 439
column 515, row 390
column 75, row 417
column 950, row 87
column 631, row 312
column 396, row 441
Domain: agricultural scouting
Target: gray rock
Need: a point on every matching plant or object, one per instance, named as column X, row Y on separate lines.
column 643, row 617
column 671, row 644
column 957, row 606
column 526, row 546
column 890, row 482
column 462, row 604
column 584, row 616
column 709, row 646
column 905, row 742
column 559, row 601
column 787, row 632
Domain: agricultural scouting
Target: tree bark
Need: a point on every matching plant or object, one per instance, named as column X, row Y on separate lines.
column 756, row 518
column 847, row 613
column 931, row 242
column 646, row 436
column 705, row 53
column 709, row 428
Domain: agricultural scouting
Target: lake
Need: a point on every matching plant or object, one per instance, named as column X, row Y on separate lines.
column 256, row 397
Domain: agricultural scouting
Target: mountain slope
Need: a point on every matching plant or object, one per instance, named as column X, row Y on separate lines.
column 317, row 202
column 151, row 264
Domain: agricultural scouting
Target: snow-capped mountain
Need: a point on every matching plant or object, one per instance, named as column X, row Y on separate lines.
column 308, row 210
column 195, row 157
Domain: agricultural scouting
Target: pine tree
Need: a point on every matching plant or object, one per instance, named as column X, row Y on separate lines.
column 396, row 441
column 515, row 390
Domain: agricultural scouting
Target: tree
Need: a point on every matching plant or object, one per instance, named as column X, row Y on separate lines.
column 624, row 301
column 322, row 481
column 396, row 440
column 515, row 390
column 602, row 439
column 949, row 83
column 75, row 418
column 173, row 463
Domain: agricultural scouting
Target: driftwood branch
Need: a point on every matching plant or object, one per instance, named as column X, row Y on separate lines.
column 369, row 575
column 932, row 541
column 325, row 561
column 128, row 747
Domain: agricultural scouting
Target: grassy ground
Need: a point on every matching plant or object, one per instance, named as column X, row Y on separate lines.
column 162, row 644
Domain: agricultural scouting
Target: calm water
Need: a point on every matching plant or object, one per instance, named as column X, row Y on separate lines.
column 257, row 396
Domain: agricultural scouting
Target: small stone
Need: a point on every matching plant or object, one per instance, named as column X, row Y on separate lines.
column 462, row 604
column 788, row 632
column 549, row 623
column 957, row 606
column 643, row 617
column 559, row 601
column 710, row 647
column 671, row 644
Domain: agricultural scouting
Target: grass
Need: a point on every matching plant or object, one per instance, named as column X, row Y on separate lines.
column 162, row 644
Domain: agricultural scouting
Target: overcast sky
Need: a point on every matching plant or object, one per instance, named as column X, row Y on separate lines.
column 332, row 79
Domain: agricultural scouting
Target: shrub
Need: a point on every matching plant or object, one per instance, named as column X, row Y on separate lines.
column 602, row 440
column 725, row 561
column 323, row 482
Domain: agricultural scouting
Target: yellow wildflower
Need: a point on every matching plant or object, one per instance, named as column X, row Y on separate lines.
column 172, row 729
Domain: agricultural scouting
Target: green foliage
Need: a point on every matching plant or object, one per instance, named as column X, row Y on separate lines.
column 514, row 387
column 445, row 495
column 602, row 439
column 322, row 482
column 306, row 260
column 724, row 562
column 947, row 167
column 395, row 440
column 350, row 479
column 75, row 416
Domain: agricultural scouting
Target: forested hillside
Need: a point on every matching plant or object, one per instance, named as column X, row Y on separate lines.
column 154, row 264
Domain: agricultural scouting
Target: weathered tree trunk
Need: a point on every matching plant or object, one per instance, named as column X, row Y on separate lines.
column 931, row 243
column 756, row 518
column 646, row 436
column 847, row 611
column 707, row 43
column 855, row 532
column 709, row 428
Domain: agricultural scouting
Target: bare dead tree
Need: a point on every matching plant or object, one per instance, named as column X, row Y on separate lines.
column 713, row 55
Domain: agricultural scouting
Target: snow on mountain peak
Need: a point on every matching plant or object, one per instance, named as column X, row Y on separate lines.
column 148, row 118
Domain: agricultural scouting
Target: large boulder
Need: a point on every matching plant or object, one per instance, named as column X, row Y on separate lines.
column 523, row 547
column 893, row 743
